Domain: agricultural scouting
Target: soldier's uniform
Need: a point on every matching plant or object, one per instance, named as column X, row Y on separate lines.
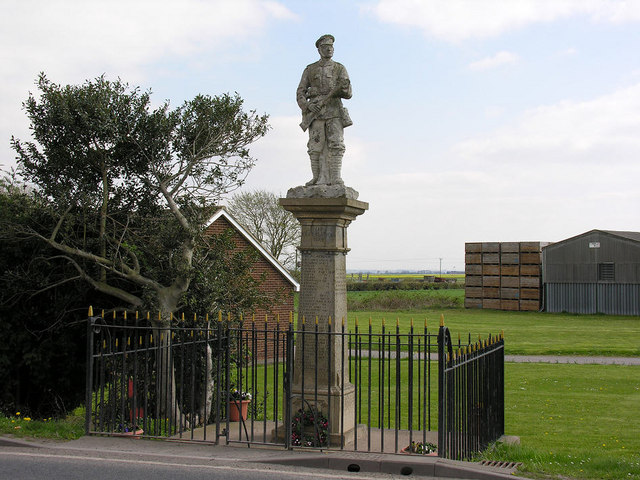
column 326, row 139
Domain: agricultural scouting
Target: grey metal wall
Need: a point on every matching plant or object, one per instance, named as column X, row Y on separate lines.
column 609, row 298
column 574, row 261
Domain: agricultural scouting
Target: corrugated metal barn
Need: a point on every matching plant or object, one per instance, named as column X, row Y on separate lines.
column 596, row 272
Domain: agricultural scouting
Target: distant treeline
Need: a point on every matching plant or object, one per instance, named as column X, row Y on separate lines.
column 403, row 285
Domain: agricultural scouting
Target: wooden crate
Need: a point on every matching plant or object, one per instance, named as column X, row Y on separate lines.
column 530, row 270
column 473, row 280
column 531, row 246
column 475, row 269
column 510, row 270
column 490, row 269
column 490, row 281
column 530, row 293
column 510, row 282
column 472, row 258
column 509, row 258
column 509, row 247
column 490, row 292
column 473, row 292
column 510, row 293
column 530, row 305
column 490, row 247
column 490, row 258
column 509, row 305
column 473, row 247
column 493, row 303
column 531, row 258
column 529, row 282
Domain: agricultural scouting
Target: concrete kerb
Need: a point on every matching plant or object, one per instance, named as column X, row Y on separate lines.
column 164, row 451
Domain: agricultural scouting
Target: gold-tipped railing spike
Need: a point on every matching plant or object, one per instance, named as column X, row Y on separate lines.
column 125, row 315
column 90, row 311
column 442, row 319
column 219, row 315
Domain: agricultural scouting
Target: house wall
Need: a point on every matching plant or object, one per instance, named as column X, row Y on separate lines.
column 274, row 282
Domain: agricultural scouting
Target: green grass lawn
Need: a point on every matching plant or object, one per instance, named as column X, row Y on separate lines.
column 579, row 421
column 526, row 333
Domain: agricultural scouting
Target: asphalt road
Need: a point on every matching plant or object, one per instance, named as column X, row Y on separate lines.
column 35, row 464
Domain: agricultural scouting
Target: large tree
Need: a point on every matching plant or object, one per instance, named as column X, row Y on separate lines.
column 274, row 227
column 130, row 188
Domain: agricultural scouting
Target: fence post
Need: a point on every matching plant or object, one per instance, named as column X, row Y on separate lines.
column 441, row 390
column 89, row 373
column 288, row 381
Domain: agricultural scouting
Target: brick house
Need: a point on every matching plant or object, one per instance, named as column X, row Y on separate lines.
column 277, row 277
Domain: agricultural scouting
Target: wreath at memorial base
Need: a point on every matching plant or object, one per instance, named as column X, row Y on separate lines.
column 309, row 428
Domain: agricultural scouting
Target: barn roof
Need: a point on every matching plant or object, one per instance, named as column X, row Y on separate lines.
column 633, row 236
column 222, row 212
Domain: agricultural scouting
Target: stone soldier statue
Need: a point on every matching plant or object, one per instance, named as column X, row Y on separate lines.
column 323, row 85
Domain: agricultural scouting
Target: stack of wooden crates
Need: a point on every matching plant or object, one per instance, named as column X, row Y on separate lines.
column 503, row 275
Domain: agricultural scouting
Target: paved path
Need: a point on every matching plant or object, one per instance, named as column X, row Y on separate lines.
column 572, row 359
column 525, row 358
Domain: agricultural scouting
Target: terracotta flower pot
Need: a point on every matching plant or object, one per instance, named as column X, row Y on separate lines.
column 237, row 409
column 134, row 433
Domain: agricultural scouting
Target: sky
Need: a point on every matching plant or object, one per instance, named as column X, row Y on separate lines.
column 474, row 120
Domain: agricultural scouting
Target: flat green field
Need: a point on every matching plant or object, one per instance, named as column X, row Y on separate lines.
column 578, row 421
column 526, row 333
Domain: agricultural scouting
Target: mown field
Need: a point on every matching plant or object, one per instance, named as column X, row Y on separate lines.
column 574, row 421
column 526, row 333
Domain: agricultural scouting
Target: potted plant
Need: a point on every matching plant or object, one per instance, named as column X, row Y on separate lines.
column 130, row 430
column 238, row 404
column 422, row 449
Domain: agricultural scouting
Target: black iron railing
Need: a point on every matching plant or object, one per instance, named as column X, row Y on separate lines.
column 318, row 386
column 470, row 395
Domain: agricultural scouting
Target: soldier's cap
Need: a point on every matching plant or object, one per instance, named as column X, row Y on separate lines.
column 323, row 39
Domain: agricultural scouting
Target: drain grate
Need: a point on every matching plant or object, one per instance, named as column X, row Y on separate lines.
column 511, row 466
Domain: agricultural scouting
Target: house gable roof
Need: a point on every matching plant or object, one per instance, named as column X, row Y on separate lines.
column 222, row 212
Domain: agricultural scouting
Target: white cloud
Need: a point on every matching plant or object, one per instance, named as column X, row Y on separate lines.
column 602, row 129
column 72, row 40
column 457, row 20
column 497, row 60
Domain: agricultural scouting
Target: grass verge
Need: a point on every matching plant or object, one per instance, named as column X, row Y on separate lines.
column 574, row 421
column 69, row 428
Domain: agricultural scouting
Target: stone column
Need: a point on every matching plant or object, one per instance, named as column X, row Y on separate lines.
column 320, row 375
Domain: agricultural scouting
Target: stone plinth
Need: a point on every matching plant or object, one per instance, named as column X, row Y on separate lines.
column 321, row 372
